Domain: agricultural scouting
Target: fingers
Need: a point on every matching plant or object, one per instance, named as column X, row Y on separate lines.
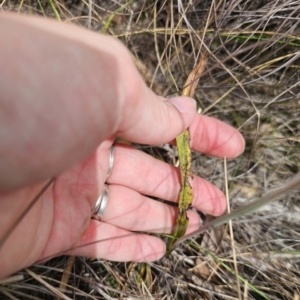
column 110, row 242
column 213, row 137
column 149, row 176
column 130, row 210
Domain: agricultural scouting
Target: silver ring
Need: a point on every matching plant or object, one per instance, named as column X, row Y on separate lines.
column 101, row 204
column 110, row 161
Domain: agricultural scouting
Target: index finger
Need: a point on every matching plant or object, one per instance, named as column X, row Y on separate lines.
column 216, row 138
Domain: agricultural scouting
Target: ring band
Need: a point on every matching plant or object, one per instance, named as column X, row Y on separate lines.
column 110, row 161
column 101, row 204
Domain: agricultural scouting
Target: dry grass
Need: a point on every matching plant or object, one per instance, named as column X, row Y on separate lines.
column 251, row 82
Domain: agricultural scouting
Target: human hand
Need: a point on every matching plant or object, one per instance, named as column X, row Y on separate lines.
column 66, row 93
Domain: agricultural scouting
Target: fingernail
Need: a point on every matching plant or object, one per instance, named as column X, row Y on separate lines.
column 184, row 104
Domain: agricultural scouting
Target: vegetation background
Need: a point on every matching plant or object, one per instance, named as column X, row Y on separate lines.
column 251, row 81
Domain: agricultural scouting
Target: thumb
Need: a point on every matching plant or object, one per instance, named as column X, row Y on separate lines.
column 150, row 119
column 153, row 120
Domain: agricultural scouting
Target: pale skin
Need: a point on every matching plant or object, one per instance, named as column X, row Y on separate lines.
column 66, row 93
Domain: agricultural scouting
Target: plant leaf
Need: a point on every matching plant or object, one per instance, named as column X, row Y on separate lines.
column 185, row 161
